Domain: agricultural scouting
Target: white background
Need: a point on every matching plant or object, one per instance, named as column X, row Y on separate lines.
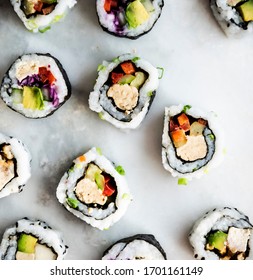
column 203, row 68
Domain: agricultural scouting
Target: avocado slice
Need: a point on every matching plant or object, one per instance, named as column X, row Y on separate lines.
column 126, row 79
column 26, row 243
column 246, row 10
column 217, row 240
column 100, row 181
column 33, row 98
column 28, row 6
column 136, row 14
column 91, row 171
column 139, row 80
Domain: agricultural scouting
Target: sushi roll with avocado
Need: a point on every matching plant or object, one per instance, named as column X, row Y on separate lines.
column 137, row 247
column 128, row 18
column 32, row 240
column 15, row 168
column 222, row 234
column 39, row 15
column 191, row 142
column 95, row 190
column 234, row 16
column 36, row 85
column 124, row 91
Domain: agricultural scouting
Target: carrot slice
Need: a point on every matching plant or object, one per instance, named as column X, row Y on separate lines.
column 128, row 67
column 82, row 158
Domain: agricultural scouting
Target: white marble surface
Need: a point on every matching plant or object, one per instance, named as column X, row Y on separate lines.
column 203, row 68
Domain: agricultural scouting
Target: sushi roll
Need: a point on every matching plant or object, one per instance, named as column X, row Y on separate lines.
column 191, row 142
column 95, row 190
column 36, row 85
column 222, row 234
column 128, row 18
column 32, row 240
column 137, row 247
column 15, row 168
column 124, row 91
column 234, row 16
column 39, row 15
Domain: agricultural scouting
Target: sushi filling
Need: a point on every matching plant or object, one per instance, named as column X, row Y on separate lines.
column 95, row 190
column 38, row 7
column 231, row 245
column 120, row 95
column 35, row 86
column 7, row 165
column 30, row 248
column 193, row 143
column 125, row 14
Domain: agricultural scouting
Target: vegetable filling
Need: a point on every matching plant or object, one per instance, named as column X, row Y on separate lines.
column 187, row 134
column 231, row 245
column 38, row 7
column 127, row 13
column 36, row 85
column 7, row 165
column 30, row 248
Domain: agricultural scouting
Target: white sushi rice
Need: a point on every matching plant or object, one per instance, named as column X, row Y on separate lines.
column 23, row 171
column 107, row 20
column 214, row 156
column 136, row 249
column 18, row 71
column 97, row 103
column 225, row 14
column 46, row 235
column 99, row 218
column 40, row 23
column 218, row 219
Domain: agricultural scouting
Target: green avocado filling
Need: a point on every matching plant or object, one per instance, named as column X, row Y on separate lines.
column 33, row 98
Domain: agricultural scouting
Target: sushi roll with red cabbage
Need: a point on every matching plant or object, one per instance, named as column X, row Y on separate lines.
column 32, row 239
column 95, row 190
column 128, row 18
column 124, row 91
column 39, row 15
column 137, row 247
column 36, row 85
column 222, row 234
column 15, row 167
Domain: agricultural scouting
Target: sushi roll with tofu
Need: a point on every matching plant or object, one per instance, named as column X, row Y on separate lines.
column 234, row 16
column 95, row 190
column 128, row 18
column 124, row 91
column 32, row 240
column 222, row 234
column 15, row 168
column 39, row 15
column 191, row 142
column 36, row 85
column 137, row 247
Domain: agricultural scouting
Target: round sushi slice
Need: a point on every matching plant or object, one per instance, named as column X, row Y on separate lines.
column 222, row 234
column 95, row 190
column 234, row 16
column 15, row 168
column 39, row 15
column 137, row 247
column 124, row 91
column 191, row 142
column 36, row 85
column 128, row 18
column 32, row 240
